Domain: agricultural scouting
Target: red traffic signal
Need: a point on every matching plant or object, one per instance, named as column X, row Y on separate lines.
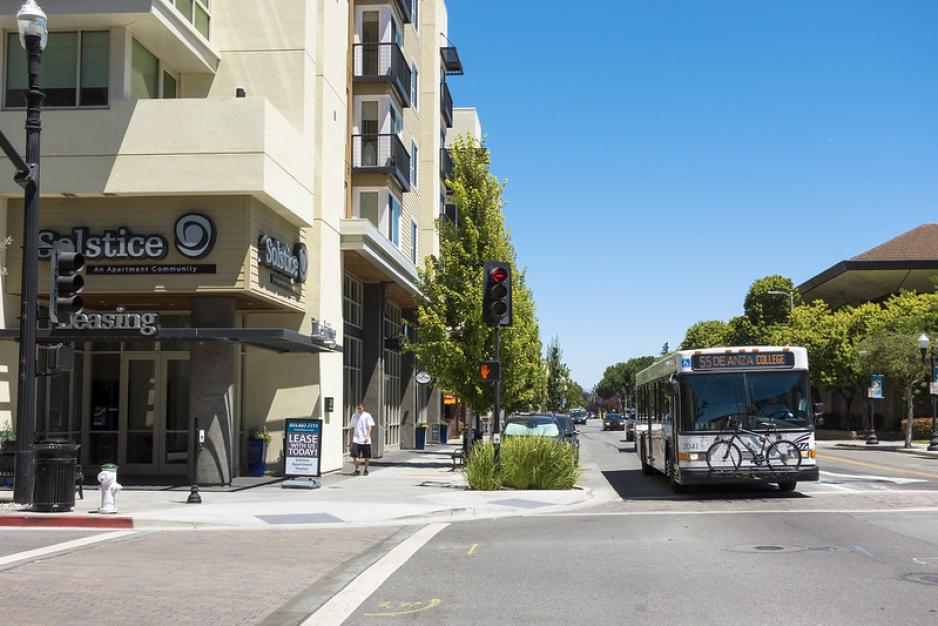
column 496, row 294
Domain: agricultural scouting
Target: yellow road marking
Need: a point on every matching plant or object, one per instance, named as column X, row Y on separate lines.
column 472, row 550
column 420, row 607
column 890, row 468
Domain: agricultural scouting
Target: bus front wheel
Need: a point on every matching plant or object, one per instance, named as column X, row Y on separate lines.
column 788, row 485
column 671, row 473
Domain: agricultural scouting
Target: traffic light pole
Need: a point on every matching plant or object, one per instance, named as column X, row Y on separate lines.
column 26, row 388
column 497, row 417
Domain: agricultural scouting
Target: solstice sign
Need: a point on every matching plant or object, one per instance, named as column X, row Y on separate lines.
column 302, row 446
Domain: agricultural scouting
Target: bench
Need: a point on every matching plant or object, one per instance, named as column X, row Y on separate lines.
column 8, row 465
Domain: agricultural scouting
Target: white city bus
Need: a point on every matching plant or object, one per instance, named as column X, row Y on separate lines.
column 727, row 415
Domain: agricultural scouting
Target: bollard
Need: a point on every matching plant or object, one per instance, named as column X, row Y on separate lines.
column 107, row 478
column 194, row 497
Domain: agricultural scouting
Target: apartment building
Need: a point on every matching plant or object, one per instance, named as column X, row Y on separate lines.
column 210, row 158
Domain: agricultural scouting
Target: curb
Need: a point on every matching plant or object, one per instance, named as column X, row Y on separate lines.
column 28, row 520
column 886, row 448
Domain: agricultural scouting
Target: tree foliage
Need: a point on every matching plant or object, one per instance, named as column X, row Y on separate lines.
column 619, row 380
column 557, row 378
column 895, row 354
column 706, row 334
column 452, row 337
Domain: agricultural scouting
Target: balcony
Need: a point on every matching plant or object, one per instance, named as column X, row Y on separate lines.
column 450, row 215
column 405, row 8
column 155, row 23
column 381, row 154
column 446, row 105
column 208, row 146
column 383, row 63
column 446, row 164
column 451, row 61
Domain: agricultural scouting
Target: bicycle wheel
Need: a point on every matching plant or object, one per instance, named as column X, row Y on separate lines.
column 724, row 455
column 783, row 455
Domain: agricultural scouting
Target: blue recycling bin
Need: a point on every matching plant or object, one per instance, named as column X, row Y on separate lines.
column 257, row 457
column 421, row 442
column 444, row 433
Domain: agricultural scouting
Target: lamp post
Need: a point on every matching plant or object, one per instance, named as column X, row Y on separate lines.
column 790, row 294
column 871, row 438
column 31, row 22
column 924, row 345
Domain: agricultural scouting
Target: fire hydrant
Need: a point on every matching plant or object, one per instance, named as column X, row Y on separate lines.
column 107, row 478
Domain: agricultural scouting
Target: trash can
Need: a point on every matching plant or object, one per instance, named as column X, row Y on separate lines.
column 421, row 442
column 444, row 433
column 54, row 462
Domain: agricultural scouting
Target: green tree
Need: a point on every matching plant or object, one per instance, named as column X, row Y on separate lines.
column 452, row 337
column 706, row 334
column 765, row 309
column 895, row 354
column 576, row 396
column 619, row 380
column 557, row 377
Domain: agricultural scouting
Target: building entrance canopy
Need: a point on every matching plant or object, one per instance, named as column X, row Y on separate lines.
column 277, row 339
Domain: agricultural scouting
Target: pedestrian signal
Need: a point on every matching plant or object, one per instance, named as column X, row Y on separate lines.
column 490, row 371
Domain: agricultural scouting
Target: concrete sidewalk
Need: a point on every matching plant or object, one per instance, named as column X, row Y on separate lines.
column 404, row 487
column 883, row 446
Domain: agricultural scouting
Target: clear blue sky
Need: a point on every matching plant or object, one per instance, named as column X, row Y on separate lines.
column 661, row 155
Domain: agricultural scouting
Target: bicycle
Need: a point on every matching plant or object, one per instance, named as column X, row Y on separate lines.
column 779, row 455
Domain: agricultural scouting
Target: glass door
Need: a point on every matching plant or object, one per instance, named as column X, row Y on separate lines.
column 155, row 412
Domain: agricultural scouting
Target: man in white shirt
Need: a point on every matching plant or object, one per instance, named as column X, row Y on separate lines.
column 361, row 425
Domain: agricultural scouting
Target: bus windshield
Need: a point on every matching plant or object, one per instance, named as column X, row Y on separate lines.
column 754, row 400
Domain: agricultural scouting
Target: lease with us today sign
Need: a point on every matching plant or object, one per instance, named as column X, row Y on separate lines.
column 302, row 448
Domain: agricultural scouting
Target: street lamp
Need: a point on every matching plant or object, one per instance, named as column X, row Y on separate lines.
column 932, row 377
column 871, row 438
column 34, row 35
column 790, row 294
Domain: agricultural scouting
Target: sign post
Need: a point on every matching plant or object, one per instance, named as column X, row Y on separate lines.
column 302, row 451
column 875, row 391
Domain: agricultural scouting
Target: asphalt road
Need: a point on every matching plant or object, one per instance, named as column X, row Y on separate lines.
column 853, row 548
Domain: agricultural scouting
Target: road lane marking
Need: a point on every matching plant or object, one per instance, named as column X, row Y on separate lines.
column 61, row 547
column 922, row 509
column 839, row 487
column 897, row 481
column 888, row 468
column 421, row 607
column 341, row 606
column 472, row 550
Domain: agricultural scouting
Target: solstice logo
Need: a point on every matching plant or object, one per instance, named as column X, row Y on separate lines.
column 195, row 235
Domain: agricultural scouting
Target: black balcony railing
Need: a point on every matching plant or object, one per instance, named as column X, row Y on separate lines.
column 406, row 10
column 383, row 62
column 446, row 105
column 383, row 154
column 446, row 164
column 450, row 215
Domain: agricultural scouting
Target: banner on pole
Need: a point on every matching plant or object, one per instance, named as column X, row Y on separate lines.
column 876, row 387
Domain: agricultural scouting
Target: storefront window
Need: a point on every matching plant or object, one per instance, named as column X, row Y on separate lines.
column 352, row 361
column 352, row 301
column 105, row 408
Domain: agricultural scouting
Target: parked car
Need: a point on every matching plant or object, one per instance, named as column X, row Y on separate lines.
column 578, row 416
column 613, row 421
column 558, row 427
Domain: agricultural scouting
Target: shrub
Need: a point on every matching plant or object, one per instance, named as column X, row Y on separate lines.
column 538, row 463
column 480, row 468
column 921, row 427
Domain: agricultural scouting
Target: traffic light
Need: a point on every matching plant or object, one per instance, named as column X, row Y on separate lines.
column 64, row 285
column 490, row 371
column 496, row 294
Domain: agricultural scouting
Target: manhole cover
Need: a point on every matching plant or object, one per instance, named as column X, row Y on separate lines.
column 924, row 579
column 765, row 548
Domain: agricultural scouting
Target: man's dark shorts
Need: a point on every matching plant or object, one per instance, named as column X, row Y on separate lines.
column 361, row 450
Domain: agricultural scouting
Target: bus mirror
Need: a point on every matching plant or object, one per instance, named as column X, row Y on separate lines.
column 673, row 387
column 818, row 407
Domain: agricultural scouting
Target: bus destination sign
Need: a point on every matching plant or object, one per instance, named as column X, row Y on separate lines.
column 755, row 360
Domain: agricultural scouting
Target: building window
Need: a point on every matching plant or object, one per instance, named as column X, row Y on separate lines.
column 413, row 242
column 414, row 163
column 352, row 371
column 75, row 67
column 352, row 301
column 394, row 215
column 149, row 79
column 414, row 88
column 415, row 14
column 197, row 13
column 392, row 376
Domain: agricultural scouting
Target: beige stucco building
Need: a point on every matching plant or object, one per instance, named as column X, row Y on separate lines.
column 265, row 178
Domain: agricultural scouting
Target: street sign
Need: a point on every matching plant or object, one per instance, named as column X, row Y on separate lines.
column 423, row 377
column 490, row 371
column 302, row 447
column 876, row 387
column 934, row 389
column 496, row 438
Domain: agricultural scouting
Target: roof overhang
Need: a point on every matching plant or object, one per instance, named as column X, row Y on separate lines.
column 361, row 237
column 276, row 339
column 855, row 282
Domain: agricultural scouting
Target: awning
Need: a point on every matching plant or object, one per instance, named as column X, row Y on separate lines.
column 276, row 339
column 854, row 282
